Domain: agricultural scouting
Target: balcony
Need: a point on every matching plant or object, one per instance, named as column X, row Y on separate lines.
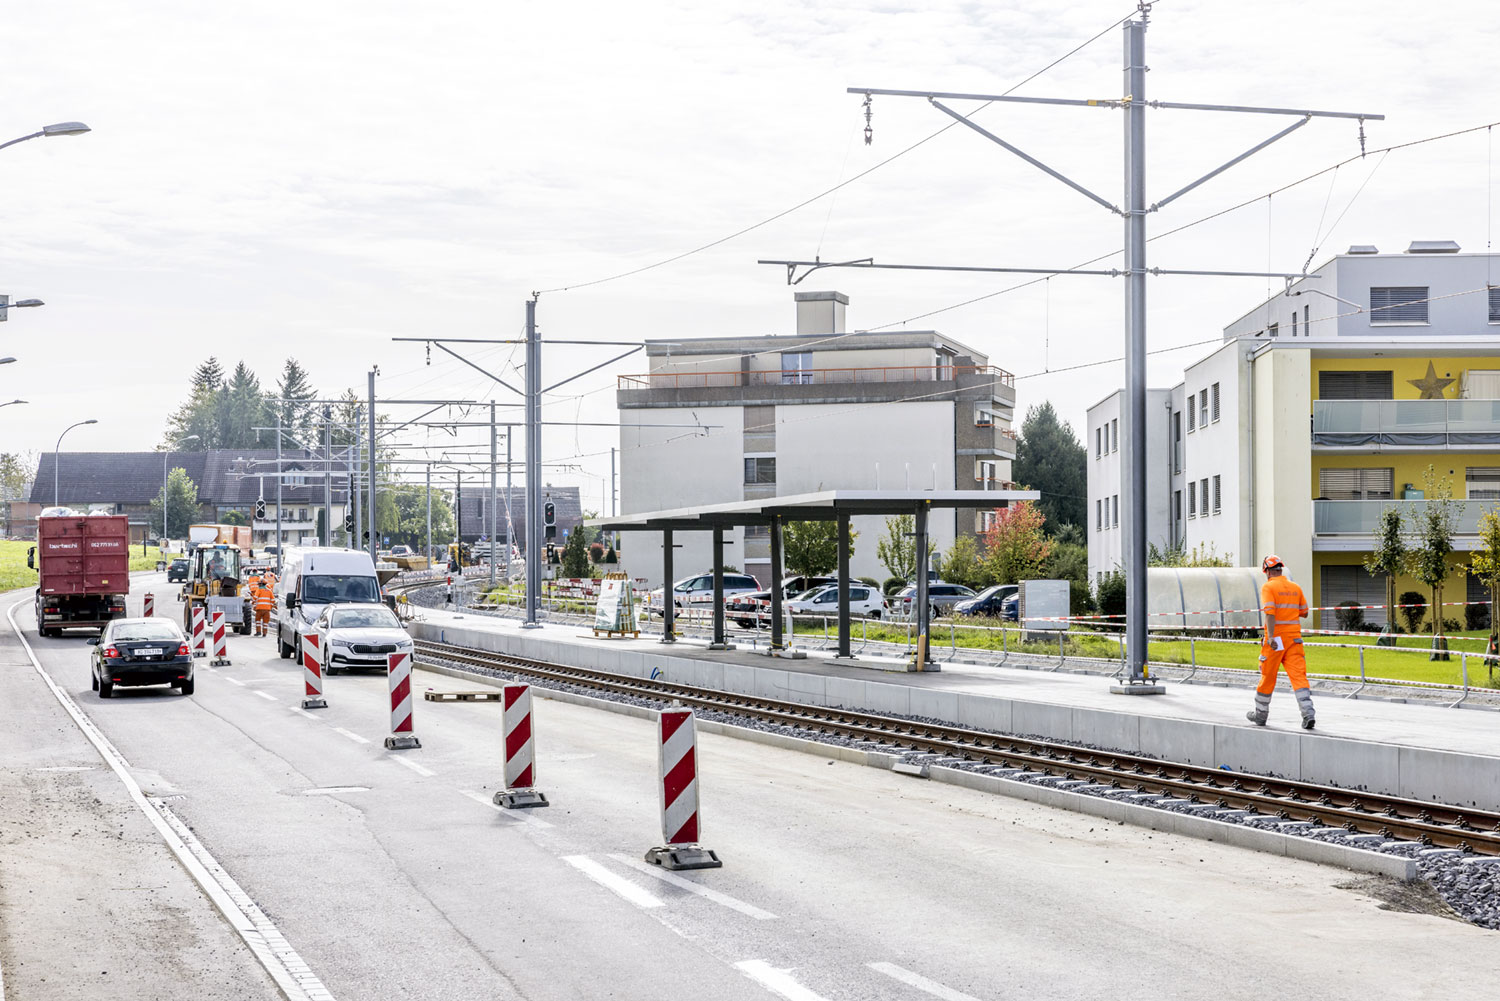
column 1350, row 525
column 813, row 377
column 1412, row 424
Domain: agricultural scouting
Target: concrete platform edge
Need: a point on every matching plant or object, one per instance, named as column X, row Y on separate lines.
column 1236, row 835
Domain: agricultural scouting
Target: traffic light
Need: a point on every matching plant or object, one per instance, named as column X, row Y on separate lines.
column 549, row 520
column 349, row 523
column 260, row 510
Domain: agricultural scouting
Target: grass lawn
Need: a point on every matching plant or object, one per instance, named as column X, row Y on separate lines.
column 14, row 573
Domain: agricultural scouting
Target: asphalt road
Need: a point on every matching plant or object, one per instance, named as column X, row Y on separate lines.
column 390, row 874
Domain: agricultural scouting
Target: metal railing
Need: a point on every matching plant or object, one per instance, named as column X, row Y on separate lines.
column 1414, row 422
column 1362, row 517
column 812, row 377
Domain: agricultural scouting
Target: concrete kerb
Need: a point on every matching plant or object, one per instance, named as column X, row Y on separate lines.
column 1236, row 835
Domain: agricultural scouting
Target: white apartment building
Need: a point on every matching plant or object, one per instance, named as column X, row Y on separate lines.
column 719, row 419
column 1295, row 434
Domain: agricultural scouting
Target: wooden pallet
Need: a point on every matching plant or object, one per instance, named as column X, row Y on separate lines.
column 463, row 696
column 610, row 634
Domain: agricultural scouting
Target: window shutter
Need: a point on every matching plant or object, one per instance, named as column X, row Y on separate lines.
column 1353, row 584
column 1216, row 401
column 1495, row 304
column 1399, row 304
column 1483, row 482
column 1356, row 385
column 1191, row 414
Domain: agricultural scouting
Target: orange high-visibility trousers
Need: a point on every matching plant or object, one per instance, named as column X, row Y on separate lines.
column 1292, row 659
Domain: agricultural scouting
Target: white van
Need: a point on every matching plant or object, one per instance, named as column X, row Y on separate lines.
column 313, row 578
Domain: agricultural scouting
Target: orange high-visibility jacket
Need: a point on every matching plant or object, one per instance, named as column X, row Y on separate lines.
column 1284, row 602
column 264, row 599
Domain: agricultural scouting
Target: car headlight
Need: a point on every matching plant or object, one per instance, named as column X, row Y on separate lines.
column 339, row 643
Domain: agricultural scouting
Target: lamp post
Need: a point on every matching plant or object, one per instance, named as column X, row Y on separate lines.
column 6, row 306
column 12, row 403
column 166, row 452
column 57, row 458
column 60, row 129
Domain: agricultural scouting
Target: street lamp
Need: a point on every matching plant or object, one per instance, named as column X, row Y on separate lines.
column 6, row 306
column 56, row 458
column 6, row 361
column 60, row 129
column 166, row 452
column 12, row 403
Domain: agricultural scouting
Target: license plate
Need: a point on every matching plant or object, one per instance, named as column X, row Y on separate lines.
column 148, row 651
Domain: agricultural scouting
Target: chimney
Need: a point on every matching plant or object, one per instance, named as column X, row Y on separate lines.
column 820, row 312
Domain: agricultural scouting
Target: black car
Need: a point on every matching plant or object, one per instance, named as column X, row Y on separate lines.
column 986, row 602
column 178, row 571
column 133, row 652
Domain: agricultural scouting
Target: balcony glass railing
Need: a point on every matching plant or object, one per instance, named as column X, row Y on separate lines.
column 691, row 379
column 1361, row 517
column 1406, row 422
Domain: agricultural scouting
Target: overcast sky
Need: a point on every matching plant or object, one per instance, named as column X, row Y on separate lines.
column 313, row 179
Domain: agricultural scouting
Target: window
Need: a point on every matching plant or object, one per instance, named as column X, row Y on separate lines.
column 1495, row 303
column 1355, row 385
column 1483, row 482
column 1352, row 583
column 1177, row 506
column 796, row 368
column 760, row 429
column 1398, row 304
column 1192, row 501
column 1099, row 515
column 1294, row 323
column 757, row 532
column 1114, row 506
column 1203, row 409
column 1099, row 442
column 943, row 364
column 1192, row 413
column 1274, row 330
column 1203, row 498
column 1356, row 484
column 1214, row 410
column 1114, row 435
column 1306, row 321
column 1216, row 495
column 1177, row 441
column 760, row 470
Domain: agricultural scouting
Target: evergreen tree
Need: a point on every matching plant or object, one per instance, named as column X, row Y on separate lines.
column 244, row 409
column 209, row 375
column 1050, row 458
column 575, row 556
column 294, row 393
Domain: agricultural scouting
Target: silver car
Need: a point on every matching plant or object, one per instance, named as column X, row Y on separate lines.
column 359, row 636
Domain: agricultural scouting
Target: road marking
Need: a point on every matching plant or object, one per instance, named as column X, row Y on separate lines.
column 233, row 681
column 292, row 975
column 334, row 790
column 665, row 876
column 615, row 884
column 528, row 815
column 778, row 981
column 408, row 763
column 351, row 735
column 301, row 712
column 265, row 696
column 67, row 768
column 920, row 982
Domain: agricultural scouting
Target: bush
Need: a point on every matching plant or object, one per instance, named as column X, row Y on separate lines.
column 1080, row 598
column 1416, row 612
column 1350, row 616
column 1476, row 617
column 610, row 556
column 1111, row 595
column 596, row 552
column 870, row 581
column 891, row 586
column 1450, row 626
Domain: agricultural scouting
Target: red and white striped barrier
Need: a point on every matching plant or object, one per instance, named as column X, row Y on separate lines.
column 312, row 672
column 677, row 759
column 200, row 644
column 398, row 674
column 520, row 751
column 149, row 605
column 221, row 643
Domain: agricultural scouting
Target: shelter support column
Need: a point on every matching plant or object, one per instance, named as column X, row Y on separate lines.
column 778, row 640
column 668, row 603
column 720, row 640
column 842, row 523
column 923, row 603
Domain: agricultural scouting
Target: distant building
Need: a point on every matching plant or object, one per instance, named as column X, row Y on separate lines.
column 723, row 419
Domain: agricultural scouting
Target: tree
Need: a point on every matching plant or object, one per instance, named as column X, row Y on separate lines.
column 1050, row 458
column 1070, row 562
column 1485, row 564
column 812, row 547
column 1434, row 524
column 295, row 394
column 401, row 514
column 182, row 509
column 16, row 471
column 575, row 556
column 1388, row 556
column 1178, row 556
column 964, row 564
column 898, row 549
column 244, row 410
column 1112, row 599
column 233, row 518
column 1016, row 548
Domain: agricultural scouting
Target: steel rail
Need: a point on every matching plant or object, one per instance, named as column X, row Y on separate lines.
column 1390, row 816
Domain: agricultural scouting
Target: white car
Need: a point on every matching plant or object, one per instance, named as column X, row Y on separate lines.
column 699, row 590
column 359, row 635
column 864, row 601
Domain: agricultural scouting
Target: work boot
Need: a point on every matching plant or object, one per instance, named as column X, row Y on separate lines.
column 1257, row 717
column 1308, row 722
column 1305, row 705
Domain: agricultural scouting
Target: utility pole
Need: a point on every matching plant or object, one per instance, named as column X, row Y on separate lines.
column 356, row 493
column 614, row 537
column 280, row 476
column 428, row 554
column 370, row 506
column 1136, row 207
column 493, row 506
column 510, row 523
column 327, row 475
column 533, row 465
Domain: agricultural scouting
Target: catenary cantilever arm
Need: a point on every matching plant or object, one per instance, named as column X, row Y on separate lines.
column 1230, row 163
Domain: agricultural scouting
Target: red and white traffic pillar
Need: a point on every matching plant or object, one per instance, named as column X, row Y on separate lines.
column 520, row 751
column 312, row 672
column 677, row 757
column 221, row 643
column 149, row 605
column 200, row 643
column 398, row 674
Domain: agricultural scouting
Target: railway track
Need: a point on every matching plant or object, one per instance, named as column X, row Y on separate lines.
column 1430, row 824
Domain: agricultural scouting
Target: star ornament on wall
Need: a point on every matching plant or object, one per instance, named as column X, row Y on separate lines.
column 1431, row 386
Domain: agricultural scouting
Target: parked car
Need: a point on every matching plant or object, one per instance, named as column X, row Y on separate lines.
column 359, row 636
column 986, row 602
column 743, row 610
column 699, row 590
column 133, row 652
column 793, row 586
column 940, row 595
column 1010, row 611
column 864, row 601
column 178, row 570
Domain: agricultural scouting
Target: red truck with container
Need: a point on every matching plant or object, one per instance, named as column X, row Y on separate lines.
column 84, row 564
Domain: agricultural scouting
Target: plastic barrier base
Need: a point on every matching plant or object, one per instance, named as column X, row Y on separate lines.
column 1138, row 688
column 315, row 703
column 684, row 857
column 401, row 743
column 519, row 799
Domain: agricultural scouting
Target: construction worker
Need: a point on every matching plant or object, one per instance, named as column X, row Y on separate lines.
column 1282, row 605
column 264, row 602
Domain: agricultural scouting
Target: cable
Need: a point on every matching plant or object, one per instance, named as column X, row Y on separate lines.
column 842, row 184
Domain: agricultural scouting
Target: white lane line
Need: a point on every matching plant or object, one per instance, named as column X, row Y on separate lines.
column 624, row 888
column 351, row 735
column 723, row 899
column 292, row 975
column 301, row 712
column 527, row 815
column 334, row 790
column 67, row 768
column 266, row 696
column 777, row 981
column 920, row 982
column 408, row 763
column 234, row 681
